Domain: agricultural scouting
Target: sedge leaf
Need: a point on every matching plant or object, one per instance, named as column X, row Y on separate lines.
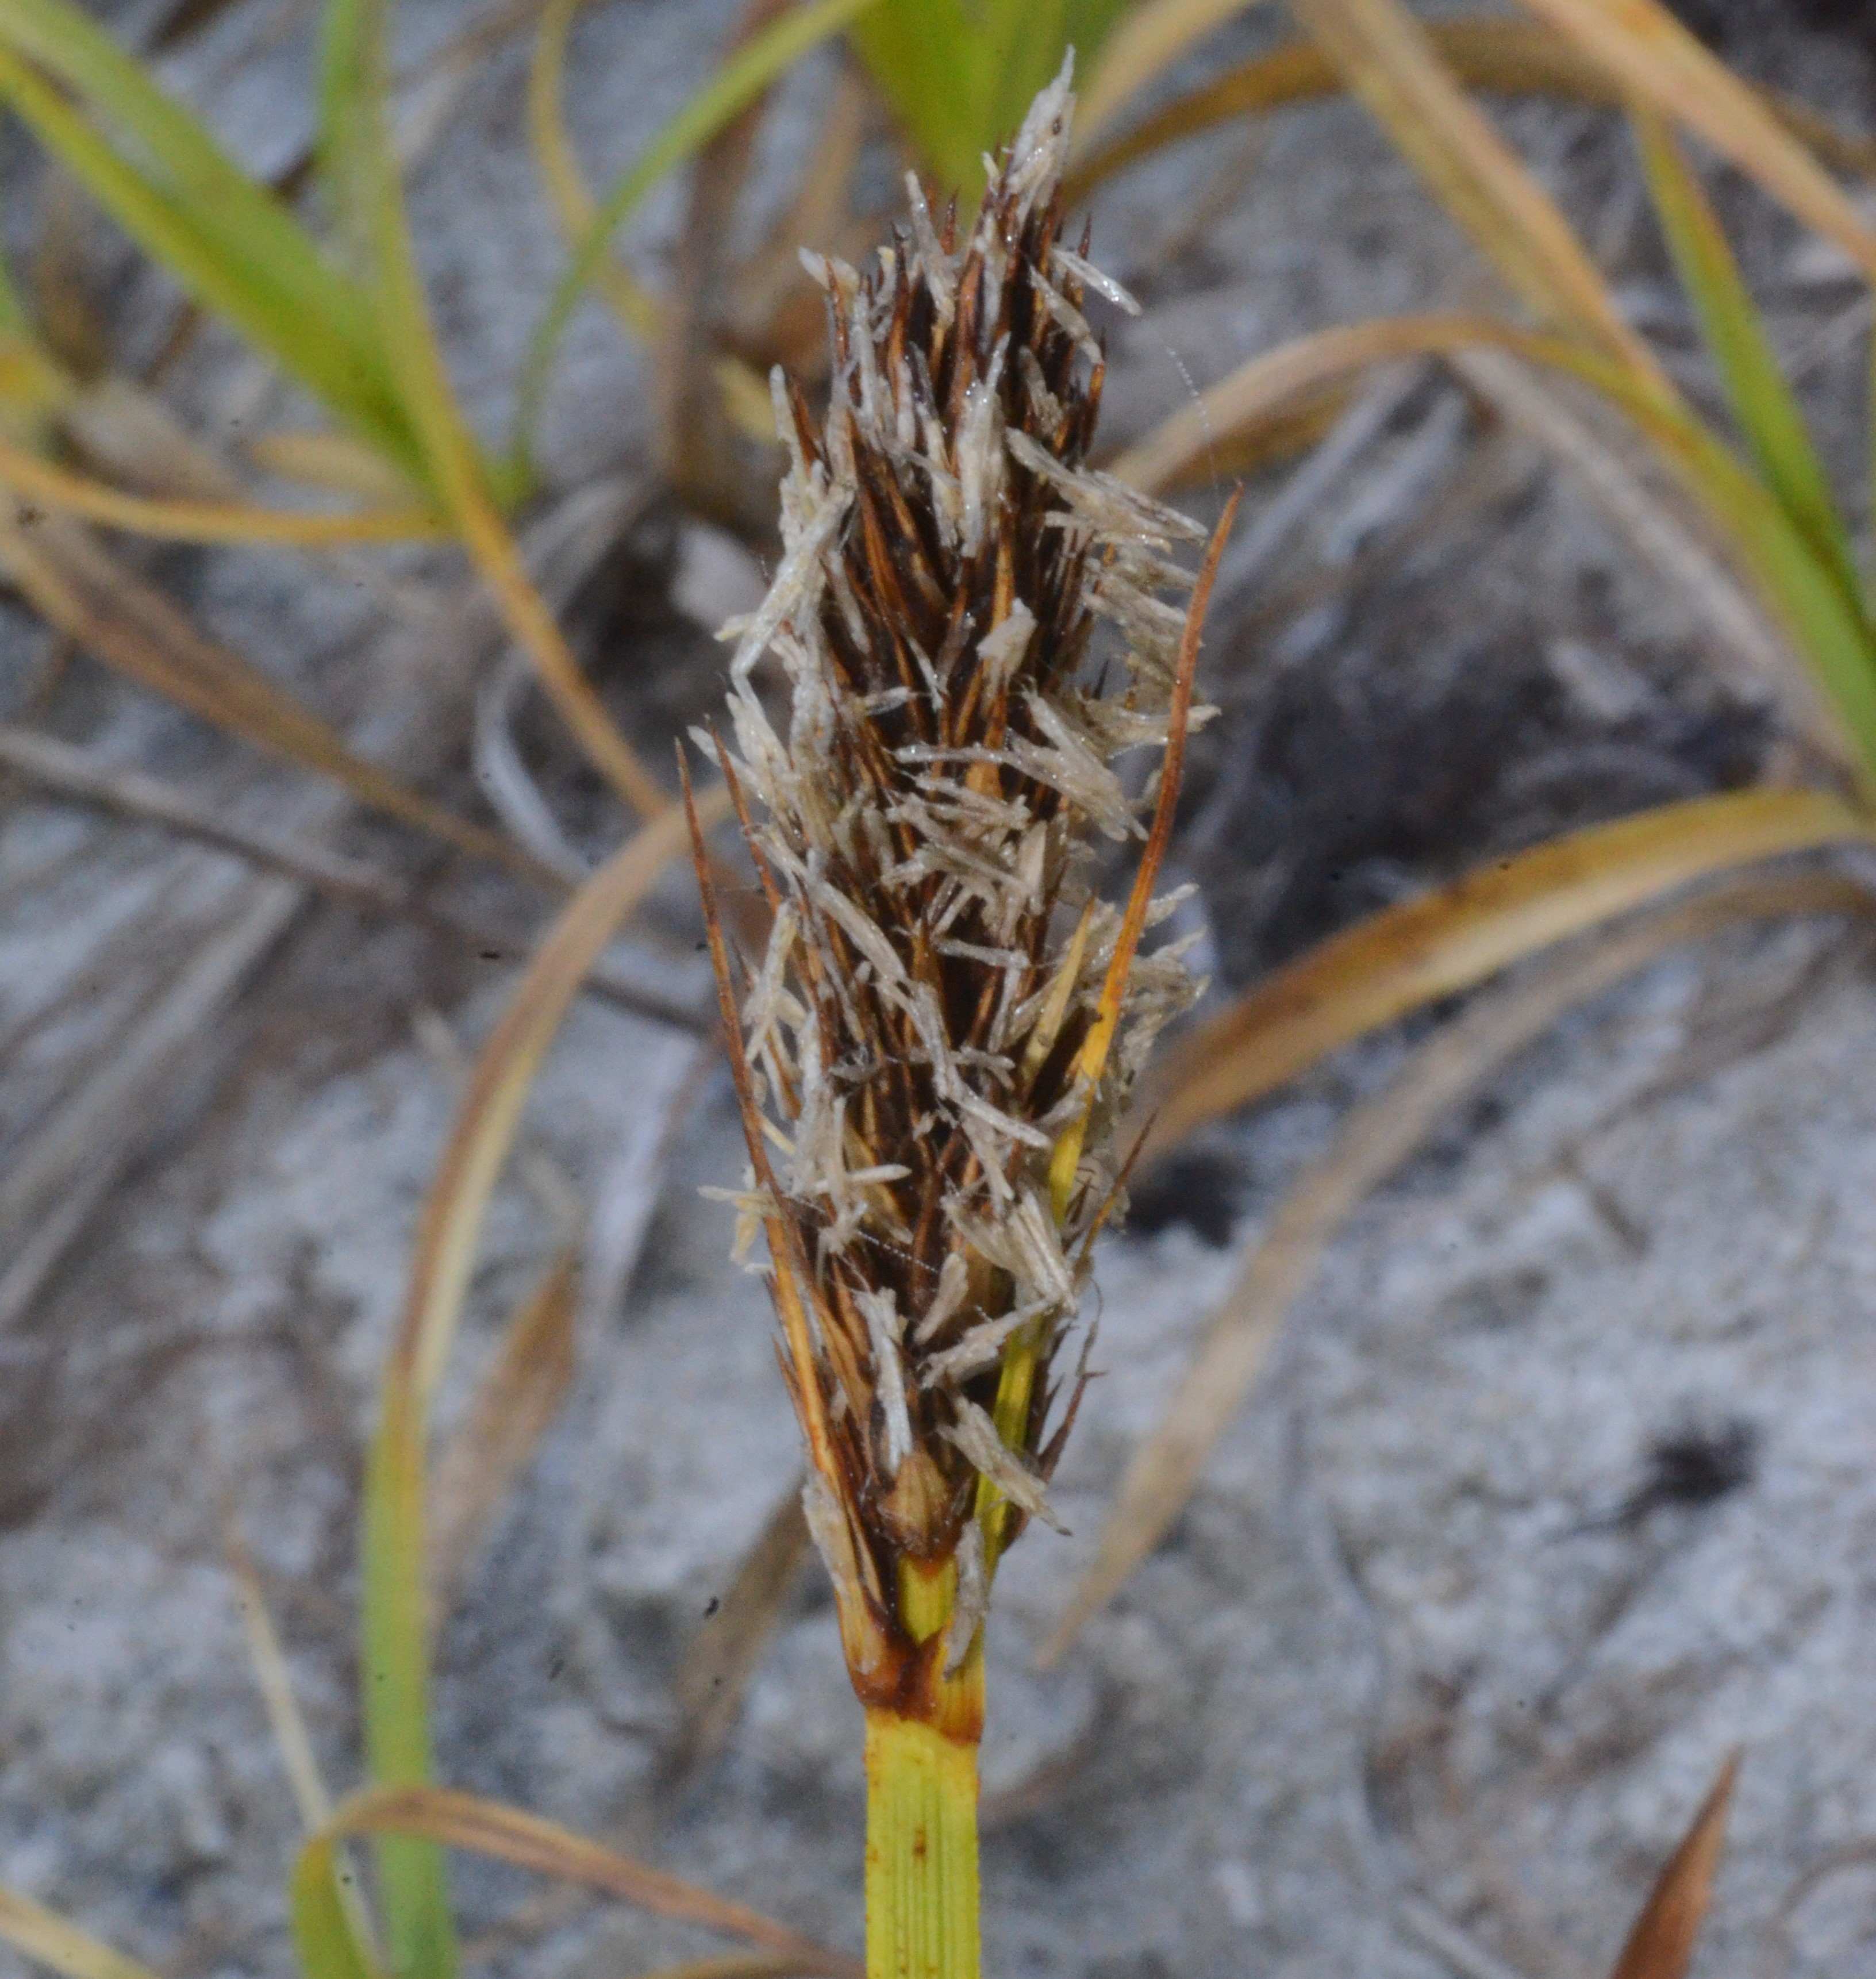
column 1762, row 402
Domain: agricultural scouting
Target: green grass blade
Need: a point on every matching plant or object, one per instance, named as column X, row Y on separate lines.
column 412, row 1875
column 350, row 80
column 327, row 1946
column 735, row 86
column 229, row 241
column 356, row 149
column 1768, row 414
column 1803, row 589
column 14, row 324
column 168, row 146
column 928, row 61
column 356, row 154
column 959, row 74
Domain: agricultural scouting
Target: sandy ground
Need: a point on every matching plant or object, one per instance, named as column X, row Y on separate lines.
column 1433, row 1672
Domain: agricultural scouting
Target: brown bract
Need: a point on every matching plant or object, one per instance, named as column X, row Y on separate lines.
column 970, row 627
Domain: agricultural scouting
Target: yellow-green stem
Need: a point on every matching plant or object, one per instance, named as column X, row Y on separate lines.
column 921, row 1851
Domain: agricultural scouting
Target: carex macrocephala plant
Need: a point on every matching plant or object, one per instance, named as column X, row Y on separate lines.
column 932, row 1054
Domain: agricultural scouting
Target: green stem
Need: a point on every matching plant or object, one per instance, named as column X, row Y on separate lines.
column 921, row 1851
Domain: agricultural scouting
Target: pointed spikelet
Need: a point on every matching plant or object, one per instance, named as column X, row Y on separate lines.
column 971, row 629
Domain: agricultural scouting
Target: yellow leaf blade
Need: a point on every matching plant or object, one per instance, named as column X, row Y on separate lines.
column 188, row 522
column 1450, row 938
column 45, row 1937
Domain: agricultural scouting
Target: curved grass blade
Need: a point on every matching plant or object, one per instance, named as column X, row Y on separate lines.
column 1502, row 57
column 1661, row 1946
column 1762, row 403
column 1263, row 390
column 1395, row 67
column 396, row 1661
column 1372, row 1143
column 1659, row 61
column 1803, row 596
column 1439, row 942
column 510, row 1835
column 739, row 82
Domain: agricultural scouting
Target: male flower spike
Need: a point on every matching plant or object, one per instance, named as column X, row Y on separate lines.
column 937, row 1046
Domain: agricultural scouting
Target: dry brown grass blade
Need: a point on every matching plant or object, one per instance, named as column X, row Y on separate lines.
column 1251, row 401
column 516, row 1400
column 1662, row 1944
column 1495, row 57
column 1457, row 935
column 1395, row 67
column 1654, row 56
column 721, row 1661
column 75, row 586
column 191, row 522
column 1372, row 1141
column 488, row 1827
